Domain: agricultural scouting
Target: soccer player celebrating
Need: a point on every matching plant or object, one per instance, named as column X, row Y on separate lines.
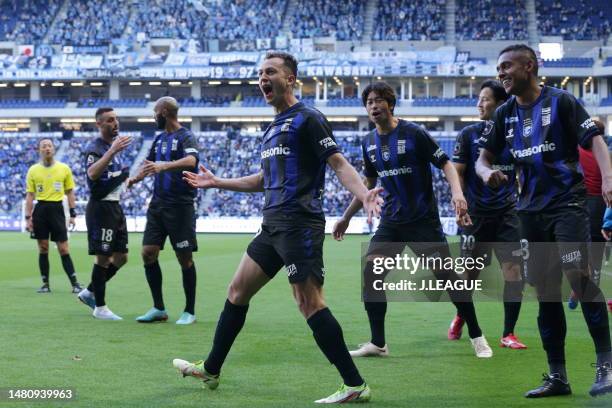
column 106, row 227
column 401, row 154
column 171, row 211
column 543, row 127
column 296, row 147
column 492, row 211
column 47, row 182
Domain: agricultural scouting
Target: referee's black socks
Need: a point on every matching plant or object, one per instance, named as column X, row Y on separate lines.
column 328, row 335
column 69, row 268
column 43, row 265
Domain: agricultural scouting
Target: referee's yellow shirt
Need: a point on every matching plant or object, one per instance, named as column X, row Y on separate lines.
column 49, row 183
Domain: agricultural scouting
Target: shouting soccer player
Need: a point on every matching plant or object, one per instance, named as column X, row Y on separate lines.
column 493, row 212
column 171, row 211
column 543, row 127
column 400, row 153
column 106, row 227
column 295, row 149
column 47, row 182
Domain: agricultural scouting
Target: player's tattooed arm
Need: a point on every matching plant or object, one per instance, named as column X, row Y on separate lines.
column 342, row 224
column 206, row 179
column 484, row 170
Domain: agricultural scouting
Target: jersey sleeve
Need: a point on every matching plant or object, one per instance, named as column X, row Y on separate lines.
column 190, row 145
column 577, row 120
column 461, row 152
column 368, row 168
column 68, row 180
column 30, row 185
column 91, row 156
column 492, row 137
column 151, row 154
column 319, row 135
column 429, row 149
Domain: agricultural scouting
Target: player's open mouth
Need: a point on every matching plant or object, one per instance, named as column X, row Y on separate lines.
column 267, row 90
column 376, row 114
column 506, row 83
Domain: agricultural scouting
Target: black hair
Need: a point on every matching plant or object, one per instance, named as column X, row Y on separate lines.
column 499, row 93
column 525, row 49
column 102, row 111
column 382, row 89
column 288, row 60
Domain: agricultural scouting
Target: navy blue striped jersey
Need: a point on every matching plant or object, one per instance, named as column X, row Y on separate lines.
column 169, row 186
column 543, row 139
column 294, row 151
column 401, row 159
column 108, row 186
column 482, row 200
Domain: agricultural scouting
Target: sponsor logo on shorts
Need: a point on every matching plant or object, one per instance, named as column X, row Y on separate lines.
column 571, row 257
column 182, row 244
column 291, row 270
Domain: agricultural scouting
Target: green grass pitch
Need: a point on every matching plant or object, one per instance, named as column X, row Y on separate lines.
column 275, row 361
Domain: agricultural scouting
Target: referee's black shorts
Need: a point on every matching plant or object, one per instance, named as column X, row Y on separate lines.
column 106, row 228
column 48, row 219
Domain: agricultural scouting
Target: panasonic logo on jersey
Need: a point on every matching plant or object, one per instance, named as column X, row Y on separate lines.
column 394, row 172
column 530, row 151
column 276, row 151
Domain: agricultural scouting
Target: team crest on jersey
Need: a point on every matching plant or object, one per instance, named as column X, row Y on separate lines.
column 488, row 127
column 90, row 159
column 527, row 127
column 386, row 153
column 546, row 112
column 401, row 147
column 287, row 125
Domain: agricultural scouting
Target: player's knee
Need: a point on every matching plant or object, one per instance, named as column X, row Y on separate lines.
column 63, row 248
column 119, row 259
column 43, row 248
column 511, row 272
column 149, row 256
column 308, row 304
column 102, row 260
column 237, row 295
column 185, row 260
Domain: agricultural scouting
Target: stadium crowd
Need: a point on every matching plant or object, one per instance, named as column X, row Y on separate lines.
column 87, row 22
column 491, row 20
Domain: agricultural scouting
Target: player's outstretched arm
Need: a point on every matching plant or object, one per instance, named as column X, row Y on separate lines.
column 484, row 170
column 206, row 179
column 150, row 168
column 340, row 227
column 350, row 179
column 457, row 198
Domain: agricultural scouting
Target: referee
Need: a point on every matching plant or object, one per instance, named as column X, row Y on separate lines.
column 47, row 182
